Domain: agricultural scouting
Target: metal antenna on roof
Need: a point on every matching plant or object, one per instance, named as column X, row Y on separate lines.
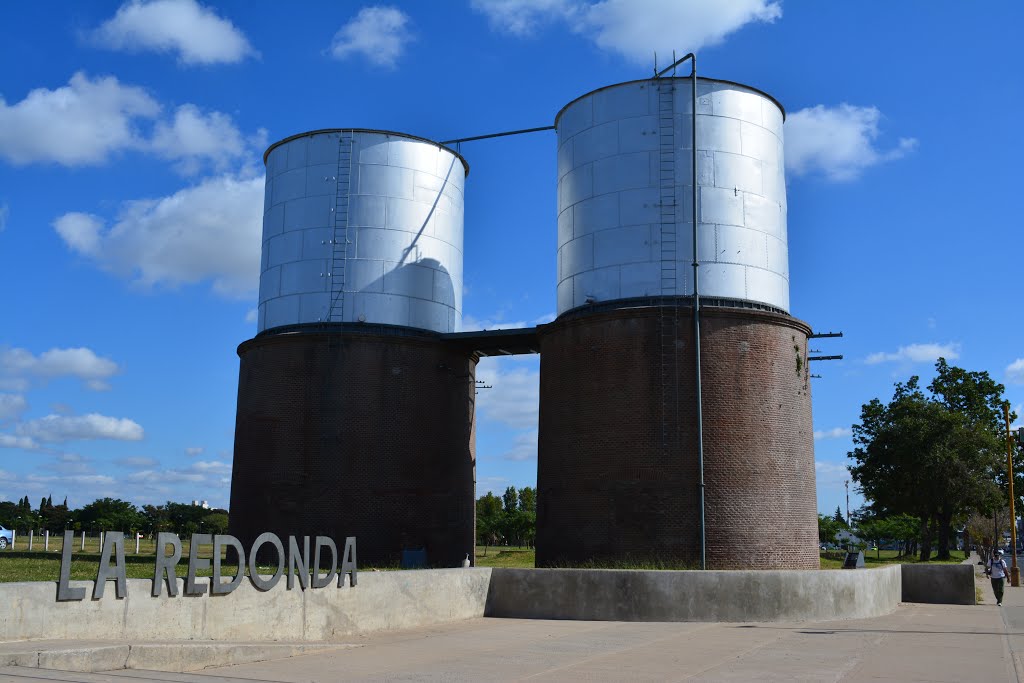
column 655, row 63
column 674, row 62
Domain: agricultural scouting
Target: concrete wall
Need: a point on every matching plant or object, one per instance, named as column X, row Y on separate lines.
column 382, row 601
column 627, row 595
column 401, row 600
column 945, row 584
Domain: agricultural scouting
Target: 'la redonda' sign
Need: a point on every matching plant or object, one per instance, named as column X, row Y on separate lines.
column 297, row 560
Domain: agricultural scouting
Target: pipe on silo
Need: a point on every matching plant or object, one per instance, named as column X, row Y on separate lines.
column 696, row 292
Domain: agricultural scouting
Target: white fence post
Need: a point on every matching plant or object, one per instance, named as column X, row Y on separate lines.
column 83, row 541
column 14, row 537
column 46, row 542
column 30, row 533
column 136, row 542
column 100, row 549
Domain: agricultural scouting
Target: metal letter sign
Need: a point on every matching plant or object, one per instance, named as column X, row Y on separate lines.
column 295, row 562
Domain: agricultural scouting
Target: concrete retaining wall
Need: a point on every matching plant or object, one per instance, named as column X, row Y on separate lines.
column 946, row 584
column 627, row 595
column 382, row 601
column 401, row 600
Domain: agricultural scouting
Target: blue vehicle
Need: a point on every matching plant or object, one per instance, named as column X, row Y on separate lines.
column 6, row 538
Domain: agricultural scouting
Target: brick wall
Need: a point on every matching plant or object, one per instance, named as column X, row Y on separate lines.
column 617, row 457
column 356, row 435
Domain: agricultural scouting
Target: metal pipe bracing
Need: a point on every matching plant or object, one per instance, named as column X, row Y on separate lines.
column 498, row 135
column 696, row 292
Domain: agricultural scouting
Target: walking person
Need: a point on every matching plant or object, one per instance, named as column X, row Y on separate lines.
column 997, row 570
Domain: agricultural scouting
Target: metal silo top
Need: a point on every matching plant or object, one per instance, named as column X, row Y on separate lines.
column 668, row 78
column 465, row 164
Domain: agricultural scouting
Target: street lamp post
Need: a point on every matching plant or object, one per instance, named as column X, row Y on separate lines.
column 1014, row 569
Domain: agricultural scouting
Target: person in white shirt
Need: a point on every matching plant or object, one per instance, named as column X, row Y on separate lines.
column 997, row 570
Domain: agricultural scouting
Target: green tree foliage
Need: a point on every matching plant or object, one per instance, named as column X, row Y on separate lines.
column 934, row 455
column 839, row 519
column 110, row 514
column 827, row 529
column 510, row 500
column 215, row 523
column 510, row 520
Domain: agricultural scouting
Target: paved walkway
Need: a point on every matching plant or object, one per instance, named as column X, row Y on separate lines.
column 915, row 643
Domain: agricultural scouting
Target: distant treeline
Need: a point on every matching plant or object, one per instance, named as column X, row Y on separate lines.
column 509, row 520
column 112, row 514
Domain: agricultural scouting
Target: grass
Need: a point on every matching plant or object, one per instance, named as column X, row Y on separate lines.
column 833, row 559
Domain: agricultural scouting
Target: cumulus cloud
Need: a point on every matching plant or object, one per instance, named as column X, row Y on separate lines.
column 830, row 474
column 61, row 428
column 210, row 231
column 89, row 120
column 193, row 137
column 182, row 27
column 252, row 315
column 193, row 451
column 837, row 142
column 1015, row 371
column 916, row 353
column 13, row 441
column 12, row 406
column 834, row 433
column 379, row 34
column 633, row 28
column 524, row 446
column 137, row 462
column 4, row 213
column 514, row 399
column 83, row 363
column 80, row 123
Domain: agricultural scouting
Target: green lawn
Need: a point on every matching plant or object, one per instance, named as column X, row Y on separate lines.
column 833, row 559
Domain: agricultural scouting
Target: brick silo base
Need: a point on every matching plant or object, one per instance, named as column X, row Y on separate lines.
column 617, row 459
column 354, row 434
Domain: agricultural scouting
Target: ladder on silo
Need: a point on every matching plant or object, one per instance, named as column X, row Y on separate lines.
column 340, row 240
column 669, row 308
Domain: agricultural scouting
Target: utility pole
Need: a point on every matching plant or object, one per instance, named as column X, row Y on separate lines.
column 1014, row 569
column 847, row 502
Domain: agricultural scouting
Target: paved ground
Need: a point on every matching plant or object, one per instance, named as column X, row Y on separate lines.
column 915, row 643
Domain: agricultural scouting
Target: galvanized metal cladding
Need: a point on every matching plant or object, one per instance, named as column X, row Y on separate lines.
column 362, row 226
column 624, row 194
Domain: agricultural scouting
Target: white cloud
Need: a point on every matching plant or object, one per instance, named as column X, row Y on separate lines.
column 252, row 315
column 193, row 138
column 210, row 231
column 515, row 397
column 4, row 213
column 60, row 428
column 136, row 461
column 22, row 442
column 524, row 446
column 838, row 142
column 81, row 362
column 523, row 17
column 634, row 28
column 916, row 353
column 1015, row 371
column 81, row 123
column 12, row 406
column 834, row 433
column 637, row 28
column 193, row 451
column 185, row 27
column 379, row 34
column 830, row 474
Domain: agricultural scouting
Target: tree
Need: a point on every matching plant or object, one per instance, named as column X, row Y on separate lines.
column 111, row 514
column 510, row 499
column 932, row 456
column 528, row 499
column 839, row 519
column 828, row 527
column 488, row 515
column 215, row 523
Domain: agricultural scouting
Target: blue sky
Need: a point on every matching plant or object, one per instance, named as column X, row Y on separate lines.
column 131, row 196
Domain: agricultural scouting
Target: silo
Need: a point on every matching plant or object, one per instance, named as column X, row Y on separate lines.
column 618, row 470
column 354, row 418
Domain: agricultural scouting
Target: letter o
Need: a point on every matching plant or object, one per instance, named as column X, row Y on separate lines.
column 257, row 581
